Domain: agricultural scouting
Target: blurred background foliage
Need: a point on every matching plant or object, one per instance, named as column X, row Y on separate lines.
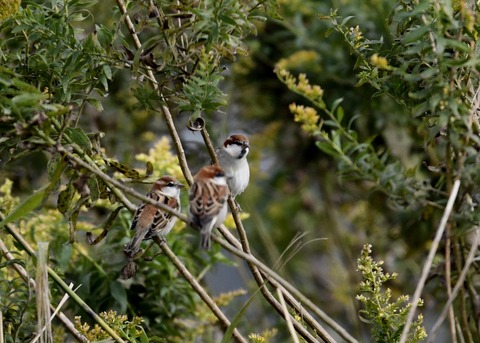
column 74, row 62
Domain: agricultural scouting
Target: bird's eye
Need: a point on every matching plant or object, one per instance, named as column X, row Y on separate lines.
column 219, row 174
column 170, row 184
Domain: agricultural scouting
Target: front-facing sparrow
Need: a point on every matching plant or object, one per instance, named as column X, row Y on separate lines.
column 150, row 221
column 232, row 156
column 208, row 201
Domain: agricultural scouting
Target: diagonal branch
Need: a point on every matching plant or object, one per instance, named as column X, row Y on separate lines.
column 460, row 281
column 188, row 177
column 429, row 261
column 198, row 288
column 19, row 238
column 260, row 274
column 164, row 109
column 23, row 273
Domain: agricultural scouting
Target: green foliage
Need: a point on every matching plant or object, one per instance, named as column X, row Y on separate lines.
column 356, row 159
column 386, row 317
column 16, row 303
column 132, row 330
column 407, row 126
column 430, row 69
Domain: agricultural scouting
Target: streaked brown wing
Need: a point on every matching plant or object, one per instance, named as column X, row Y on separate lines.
column 162, row 218
column 203, row 204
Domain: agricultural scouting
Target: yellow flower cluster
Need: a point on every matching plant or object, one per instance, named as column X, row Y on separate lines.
column 379, row 62
column 263, row 337
column 307, row 116
column 226, row 298
column 299, row 60
column 469, row 17
column 312, row 92
column 8, row 7
column 356, row 36
column 164, row 162
column 118, row 322
column 7, row 201
column 300, row 85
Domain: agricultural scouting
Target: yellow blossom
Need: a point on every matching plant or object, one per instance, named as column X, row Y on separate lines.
column 380, row 62
column 357, row 38
column 163, row 160
column 301, row 59
column 230, row 222
column 307, row 116
column 7, row 201
column 8, row 7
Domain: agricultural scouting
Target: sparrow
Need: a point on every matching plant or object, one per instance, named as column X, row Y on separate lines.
column 208, row 201
column 150, row 221
column 232, row 157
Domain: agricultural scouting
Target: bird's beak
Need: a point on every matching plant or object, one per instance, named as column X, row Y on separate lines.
column 180, row 185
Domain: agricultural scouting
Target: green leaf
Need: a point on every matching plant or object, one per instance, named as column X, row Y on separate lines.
column 346, row 20
column 118, row 293
column 97, row 103
column 149, row 171
column 102, row 187
column 340, row 114
column 327, row 148
column 65, row 198
column 28, row 99
column 124, row 169
column 55, row 167
column 79, row 137
column 415, row 34
column 94, row 190
column 28, row 205
column 227, row 337
column 335, row 104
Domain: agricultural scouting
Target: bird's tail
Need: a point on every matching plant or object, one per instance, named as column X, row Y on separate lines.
column 134, row 246
column 205, row 241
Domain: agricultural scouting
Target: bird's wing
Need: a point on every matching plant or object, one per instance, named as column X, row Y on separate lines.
column 203, row 204
column 162, row 218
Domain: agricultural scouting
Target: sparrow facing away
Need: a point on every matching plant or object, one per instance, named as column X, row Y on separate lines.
column 150, row 221
column 232, row 156
column 208, row 201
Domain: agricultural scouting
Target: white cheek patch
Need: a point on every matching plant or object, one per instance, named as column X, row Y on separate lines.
column 220, row 180
column 171, row 191
column 234, row 150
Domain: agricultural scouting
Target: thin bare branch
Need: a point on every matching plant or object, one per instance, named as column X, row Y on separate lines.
column 52, row 274
column 164, row 108
column 295, row 292
column 448, row 281
column 456, row 289
column 293, row 334
column 429, row 261
column 225, row 323
column 24, row 275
